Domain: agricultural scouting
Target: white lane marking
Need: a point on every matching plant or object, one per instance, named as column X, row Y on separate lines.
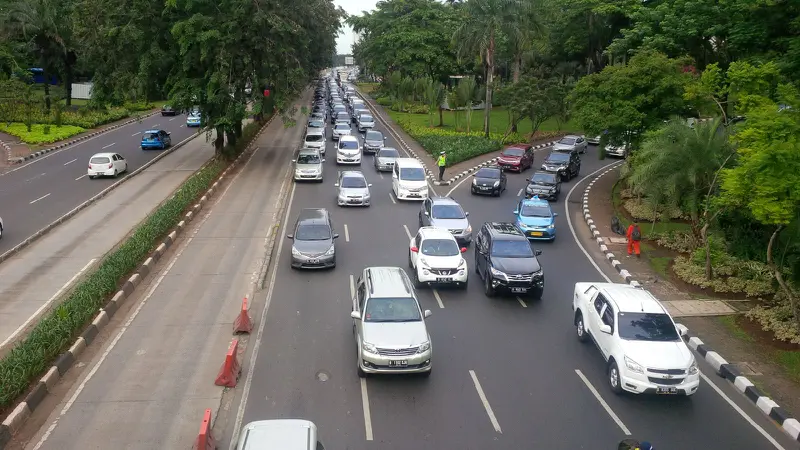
column 603, row 403
column 134, row 134
column 47, row 303
column 109, row 145
column 485, row 402
column 455, row 186
column 520, row 192
column 82, row 176
column 352, row 287
column 181, row 126
column 155, row 125
column 522, row 302
column 391, row 197
column 33, row 178
column 365, row 405
column 408, row 233
column 346, row 234
column 70, row 162
column 172, row 119
column 40, row 198
column 438, row 299
column 138, row 309
column 380, row 174
column 742, row 413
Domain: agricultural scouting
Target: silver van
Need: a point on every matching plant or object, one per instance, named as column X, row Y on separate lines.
column 279, row 434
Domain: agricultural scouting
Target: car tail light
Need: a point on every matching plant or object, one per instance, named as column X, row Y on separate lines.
column 90, row 166
column 111, row 166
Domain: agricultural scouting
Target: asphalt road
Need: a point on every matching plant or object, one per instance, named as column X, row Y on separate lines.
column 42, row 190
column 508, row 373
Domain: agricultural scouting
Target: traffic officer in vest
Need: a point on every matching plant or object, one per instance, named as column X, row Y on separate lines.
column 441, row 162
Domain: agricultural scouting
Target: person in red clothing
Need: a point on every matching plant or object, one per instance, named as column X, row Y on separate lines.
column 634, row 235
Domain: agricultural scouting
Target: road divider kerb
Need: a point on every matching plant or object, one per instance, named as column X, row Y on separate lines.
column 35, row 155
column 66, row 360
column 721, row 366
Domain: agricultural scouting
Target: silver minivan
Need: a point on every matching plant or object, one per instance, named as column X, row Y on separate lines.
column 279, row 434
column 313, row 240
column 308, row 165
column 315, row 138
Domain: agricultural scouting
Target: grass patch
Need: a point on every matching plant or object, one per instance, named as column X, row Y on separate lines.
column 730, row 323
column 41, row 134
column 367, row 88
column 648, row 228
column 790, row 361
column 498, row 122
column 660, row 264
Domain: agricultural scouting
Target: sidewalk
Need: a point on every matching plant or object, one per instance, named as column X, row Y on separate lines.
column 718, row 322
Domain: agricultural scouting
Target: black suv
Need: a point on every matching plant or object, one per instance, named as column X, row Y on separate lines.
column 505, row 261
column 566, row 164
column 544, row 185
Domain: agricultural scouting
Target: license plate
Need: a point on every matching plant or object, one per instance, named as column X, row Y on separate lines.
column 536, row 233
column 444, row 279
column 484, row 188
column 667, row 390
column 413, row 195
column 398, row 363
column 313, row 261
column 355, row 201
column 519, row 290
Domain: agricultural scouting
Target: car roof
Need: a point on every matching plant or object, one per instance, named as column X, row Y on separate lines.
column 389, row 148
column 308, row 151
column 506, row 230
column 519, row 146
column 348, row 138
column 627, row 298
column 444, row 201
column 407, row 162
column 383, row 282
column 352, row 173
column 435, row 233
column 571, row 136
column 490, row 167
column 310, row 216
column 152, row 131
column 107, row 155
column 342, row 123
column 289, row 434
column 314, row 131
column 535, row 201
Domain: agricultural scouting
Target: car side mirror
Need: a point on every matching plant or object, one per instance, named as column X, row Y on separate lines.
column 605, row 328
column 427, row 213
column 169, row 134
column 323, row 159
column 528, row 180
column 290, row 236
column 294, row 160
column 414, row 249
column 336, row 235
column 538, row 252
column 336, row 185
column 427, row 313
column 463, row 249
column 516, row 211
column 682, row 330
column 384, row 138
column 466, row 214
column 355, row 315
column 555, row 214
column 369, row 185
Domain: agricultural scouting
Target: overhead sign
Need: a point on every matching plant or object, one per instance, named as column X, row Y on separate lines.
column 349, row 61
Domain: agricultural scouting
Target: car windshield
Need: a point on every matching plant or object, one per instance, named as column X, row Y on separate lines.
column 100, row 160
column 348, row 145
column 439, row 247
column 339, row 108
column 150, row 136
column 314, row 138
column 366, row 118
column 388, row 153
column 567, row 141
column 354, row 182
column 558, row 157
column 316, row 124
column 515, row 152
column 392, row 310
column 308, row 159
column 488, row 173
column 647, row 327
column 543, row 178
column 516, row 248
column 342, row 126
column 412, row 174
column 313, row 233
column 448, row 212
column 374, row 136
column 535, row 211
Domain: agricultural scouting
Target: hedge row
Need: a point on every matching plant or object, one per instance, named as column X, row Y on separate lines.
column 84, row 117
column 40, row 134
column 57, row 330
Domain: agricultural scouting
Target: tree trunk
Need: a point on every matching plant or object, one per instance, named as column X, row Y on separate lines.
column 707, row 244
column 46, row 79
column 219, row 141
column 515, row 75
column 68, row 85
column 237, row 129
column 489, row 80
column 776, row 271
column 441, row 116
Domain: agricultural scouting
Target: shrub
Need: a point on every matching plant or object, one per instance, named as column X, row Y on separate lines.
column 777, row 318
column 643, row 210
column 731, row 276
column 384, row 101
column 680, row 241
column 139, row 106
column 40, row 134
column 84, row 117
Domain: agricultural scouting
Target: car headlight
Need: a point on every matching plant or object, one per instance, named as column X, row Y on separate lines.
column 521, row 225
column 330, row 251
column 295, row 252
column 424, row 347
column 551, row 226
column 474, row 181
column 369, row 348
column 633, row 366
column 468, row 229
column 462, row 263
column 497, row 273
column 422, row 262
column 497, row 183
column 693, row 368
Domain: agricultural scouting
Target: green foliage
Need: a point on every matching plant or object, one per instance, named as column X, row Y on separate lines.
column 534, row 98
column 84, row 117
column 677, row 240
column 777, row 317
column 731, row 275
column 40, row 134
column 384, row 101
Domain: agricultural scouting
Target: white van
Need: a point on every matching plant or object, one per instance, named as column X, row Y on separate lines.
column 279, row 434
column 315, row 138
column 348, row 151
column 409, row 181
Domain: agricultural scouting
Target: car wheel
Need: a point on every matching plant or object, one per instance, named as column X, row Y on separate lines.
column 426, row 374
column 465, row 285
column 115, row 174
column 487, row 286
column 580, row 328
column 361, row 373
column 536, row 294
column 613, row 377
column 417, row 283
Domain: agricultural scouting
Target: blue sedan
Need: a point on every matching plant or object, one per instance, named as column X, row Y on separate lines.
column 159, row 139
column 536, row 219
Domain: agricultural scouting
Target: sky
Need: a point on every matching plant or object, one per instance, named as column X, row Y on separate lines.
column 347, row 37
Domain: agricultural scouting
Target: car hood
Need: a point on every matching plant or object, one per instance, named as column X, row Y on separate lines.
column 485, row 181
column 386, row 160
column 558, row 146
column 544, row 186
column 451, row 224
column 555, row 163
column 409, row 184
column 360, row 192
column 348, row 151
column 312, row 248
column 441, row 262
column 536, row 221
column 395, row 334
column 314, row 144
column 308, row 167
column 373, row 143
column 658, row 355
column 516, row 265
column 511, row 159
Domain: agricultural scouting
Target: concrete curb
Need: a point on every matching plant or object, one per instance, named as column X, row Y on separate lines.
column 35, row 236
column 428, row 172
column 20, row 160
column 66, row 360
column 721, row 366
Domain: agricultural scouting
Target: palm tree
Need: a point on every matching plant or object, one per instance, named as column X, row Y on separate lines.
column 466, row 92
column 483, row 23
column 433, row 95
column 679, row 166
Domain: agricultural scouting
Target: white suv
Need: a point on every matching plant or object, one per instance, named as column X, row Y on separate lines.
column 435, row 259
column 643, row 347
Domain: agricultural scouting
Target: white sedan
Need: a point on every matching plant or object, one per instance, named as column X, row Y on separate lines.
column 107, row 165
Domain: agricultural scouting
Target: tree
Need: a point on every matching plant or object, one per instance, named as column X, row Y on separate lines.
column 434, row 96
column 533, row 98
column 466, row 93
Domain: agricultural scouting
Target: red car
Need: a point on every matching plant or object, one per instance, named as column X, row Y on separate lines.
column 517, row 157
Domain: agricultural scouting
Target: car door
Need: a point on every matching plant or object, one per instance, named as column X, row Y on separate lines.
column 580, row 144
column 359, row 302
column 577, row 164
column 115, row 161
column 122, row 162
column 425, row 213
column 395, row 178
column 481, row 253
column 527, row 158
column 606, row 341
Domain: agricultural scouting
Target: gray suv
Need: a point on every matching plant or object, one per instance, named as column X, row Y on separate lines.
column 385, row 158
column 444, row 212
column 313, row 240
column 373, row 141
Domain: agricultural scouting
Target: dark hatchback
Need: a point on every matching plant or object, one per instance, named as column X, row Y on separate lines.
column 566, row 165
column 545, row 185
column 313, row 241
column 168, row 110
column 489, row 181
column 506, row 262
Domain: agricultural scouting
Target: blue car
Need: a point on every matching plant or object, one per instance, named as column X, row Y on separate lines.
column 156, row 139
column 536, row 220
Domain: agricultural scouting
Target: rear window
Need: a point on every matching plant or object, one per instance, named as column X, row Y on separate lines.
column 488, row 173
column 389, row 153
column 366, row 118
column 348, row 145
column 150, row 136
column 100, row 160
column 313, row 137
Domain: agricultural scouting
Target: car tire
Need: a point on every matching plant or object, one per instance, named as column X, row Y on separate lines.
column 417, row 283
column 361, row 373
column 465, row 285
column 115, row 174
column 536, row 294
column 1, row 232
column 426, row 374
column 410, row 265
column 613, row 377
column 487, row 286
column 580, row 328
